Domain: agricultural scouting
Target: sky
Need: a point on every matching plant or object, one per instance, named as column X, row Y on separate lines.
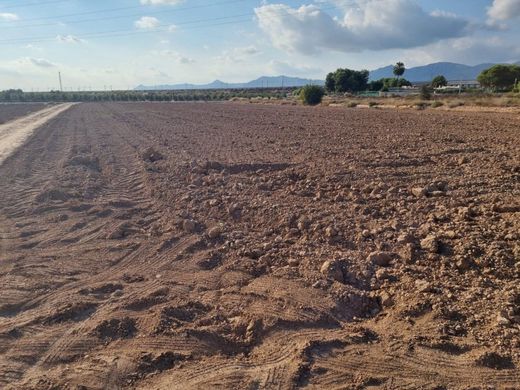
column 119, row 44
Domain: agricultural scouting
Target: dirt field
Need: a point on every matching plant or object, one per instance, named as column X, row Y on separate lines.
column 177, row 246
column 14, row 133
column 9, row 111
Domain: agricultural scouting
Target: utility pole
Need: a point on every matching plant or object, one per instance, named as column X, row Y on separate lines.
column 61, row 85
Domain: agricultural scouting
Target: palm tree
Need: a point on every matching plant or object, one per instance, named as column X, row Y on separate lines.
column 399, row 70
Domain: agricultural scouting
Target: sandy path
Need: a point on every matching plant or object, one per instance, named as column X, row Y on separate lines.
column 14, row 133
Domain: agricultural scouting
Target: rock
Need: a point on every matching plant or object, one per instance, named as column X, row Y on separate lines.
column 382, row 259
column 430, row 244
column 189, row 225
column 333, row 269
column 331, row 232
column 386, row 299
column 366, row 233
column 383, row 274
column 405, row 238
column 408, row 253
column 423, row 286
column 303, row 224
column 215, row 232
column 464, row 263
column 235, row 210
column 151, row 155
column 293, row 262
column 419, row 192
column 502, row 320
column 462, row 160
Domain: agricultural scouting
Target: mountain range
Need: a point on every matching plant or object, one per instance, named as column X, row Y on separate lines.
column 261, row 82
column 450, row 70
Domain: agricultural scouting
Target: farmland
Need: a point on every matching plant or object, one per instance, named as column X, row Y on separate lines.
column 205, row 245
column 9, row 112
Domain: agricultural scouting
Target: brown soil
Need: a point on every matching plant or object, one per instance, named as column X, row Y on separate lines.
column 10, row 111
column 250, row 247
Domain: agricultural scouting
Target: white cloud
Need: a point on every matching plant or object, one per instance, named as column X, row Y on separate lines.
column 161, row 2
column 466, row 50
column 504, row 10
column 147, row 23
column 176, row 56
column 366, row 25
column 37, row 62
column 172, row 28
column 8, row 17
column 237, row 54
column 287, row 68
column 69, row 39
column 30, row 46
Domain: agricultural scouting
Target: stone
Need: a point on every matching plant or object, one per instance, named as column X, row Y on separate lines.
column 215, row 232
column 386, row 299
column 423, row 286
column 332, row 269
column 189, row 225
column 502, row 320
column 405, row 238
column 430, row 244
column 419, row 192
column 464, row 263
column 382, row 259
column 331, row 232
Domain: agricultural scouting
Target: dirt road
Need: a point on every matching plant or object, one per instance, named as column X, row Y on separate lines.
column 241, row 246
column 15, row 132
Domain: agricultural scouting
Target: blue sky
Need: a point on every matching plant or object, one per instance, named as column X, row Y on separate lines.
column 123, row 43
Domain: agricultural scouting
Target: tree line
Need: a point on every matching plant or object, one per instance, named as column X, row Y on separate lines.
column 18, row 95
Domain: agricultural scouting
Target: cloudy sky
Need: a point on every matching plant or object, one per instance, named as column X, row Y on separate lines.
column 122, row 43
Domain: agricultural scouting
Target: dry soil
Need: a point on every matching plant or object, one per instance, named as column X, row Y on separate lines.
column 165, row 246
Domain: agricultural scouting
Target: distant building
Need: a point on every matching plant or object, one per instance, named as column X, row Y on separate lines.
column 464, row 83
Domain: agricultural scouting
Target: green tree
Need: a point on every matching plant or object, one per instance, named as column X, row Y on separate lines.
column 399, row 69
column 330, row 83
column 439, row 81
column 376, row 85
column 348, row 80
column 500, row 77
column 312, row 94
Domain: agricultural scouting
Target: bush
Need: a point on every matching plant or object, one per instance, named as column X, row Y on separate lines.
column 351, row 104
column 425, row 93
column 372, row 104
column 312, row 94
column 437, row 104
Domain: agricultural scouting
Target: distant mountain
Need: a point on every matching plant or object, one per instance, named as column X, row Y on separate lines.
column 261, row 82
column 450, row 70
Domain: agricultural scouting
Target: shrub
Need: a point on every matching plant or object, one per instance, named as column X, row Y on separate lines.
column 351, row 104
column 372, row 104
column 437, row 104
column 312, row 94
column 425, row 93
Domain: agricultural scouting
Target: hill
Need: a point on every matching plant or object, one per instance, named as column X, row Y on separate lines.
column 261, row 82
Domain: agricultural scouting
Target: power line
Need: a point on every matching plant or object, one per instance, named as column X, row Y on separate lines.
column 32, row 4
column 115, row 33
column 126, row 32
column 122, row 16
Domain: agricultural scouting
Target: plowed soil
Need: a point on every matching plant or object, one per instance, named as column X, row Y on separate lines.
column 10, row 111
column 179, row 246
